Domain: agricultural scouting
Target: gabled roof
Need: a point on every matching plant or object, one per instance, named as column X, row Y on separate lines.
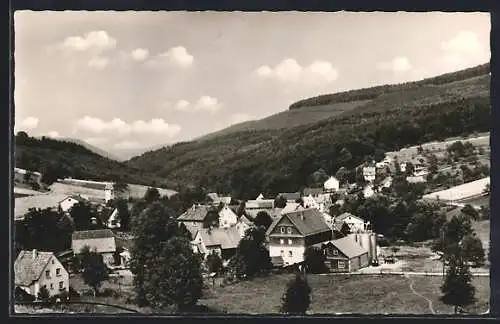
column 259, row 204
column 307, row 221
column 226, row 238
column 290, row 207
column 343, row 216
column 28, row 269
column 312, row 191
column 290, row 195
column 348, row 247
column 245, row 220
column 75, row 197
column 92, row 234
column 196, row 213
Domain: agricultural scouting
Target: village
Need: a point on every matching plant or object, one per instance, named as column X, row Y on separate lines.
column 317, row 223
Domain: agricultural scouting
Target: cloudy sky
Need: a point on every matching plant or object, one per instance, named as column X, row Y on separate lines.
column 122, row 80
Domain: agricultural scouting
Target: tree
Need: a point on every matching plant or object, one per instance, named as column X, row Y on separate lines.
column 345, row 229
column 457, row 288
column 167, row 272
column 214, row 262
column 82, row 214
column 471, row 212
column 94, row 270
column 120, row 186
column 314, row 260
column 50, row 174
column 263, row 219
column 123, row 214
column 43, row 294
column 473, row 250
column 342, row 175
column 252, row 257
column 297, row 297
column 280, row 202
column 151, row 195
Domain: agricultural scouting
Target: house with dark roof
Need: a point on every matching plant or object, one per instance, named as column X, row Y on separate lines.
column 222, row 241
column 203, row 216
column 290, row 234
column 35, row 269
column 345, row 255
column 102, row 241
column 70, row 201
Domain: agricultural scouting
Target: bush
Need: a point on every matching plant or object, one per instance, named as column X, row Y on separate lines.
column 73, row 293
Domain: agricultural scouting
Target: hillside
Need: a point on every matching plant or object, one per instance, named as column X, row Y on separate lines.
column 69, row 159
column 92, row 148
column 447, row 87
column 246, row 163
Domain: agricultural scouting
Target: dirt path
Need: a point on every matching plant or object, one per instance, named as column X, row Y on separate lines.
column 422, row 296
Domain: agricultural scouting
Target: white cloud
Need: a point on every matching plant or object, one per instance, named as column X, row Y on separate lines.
column 118, row 127
column 204, row 103
column 98, row 63
column 398, row 64
column 176, row 55
column 464, row 50
column 29, row 123
column 289, row 70
column 139, row 54
column 53, row 134
column 182, row 105
column 94, row 40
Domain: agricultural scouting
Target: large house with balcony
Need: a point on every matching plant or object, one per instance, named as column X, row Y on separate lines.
column 291, row 233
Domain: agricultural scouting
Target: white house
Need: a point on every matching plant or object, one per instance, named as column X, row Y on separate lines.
column 369, row 173
column 260, row 197
column 113, row 220
column 227, row 217
column 368, row 191
column 34, row 270
column 70, row 201
column 355, row 223
column 310, row 202
column 243, row 225
column 332, row 184
column 109, row 193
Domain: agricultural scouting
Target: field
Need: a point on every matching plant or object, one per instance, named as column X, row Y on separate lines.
column 477, row 201
column 334, row 294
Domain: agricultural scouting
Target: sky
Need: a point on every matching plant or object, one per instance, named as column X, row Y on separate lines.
column 129, row 80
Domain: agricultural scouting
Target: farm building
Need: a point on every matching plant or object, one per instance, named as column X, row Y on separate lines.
column 344, row 255
column 103, row 241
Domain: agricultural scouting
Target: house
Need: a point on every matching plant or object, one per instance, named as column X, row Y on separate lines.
column 216, row 199
column 344, row 255
column 290, row 235
column 416, row 179
column 222, row 241
column 310, row 202
column 290, row 207
column 331, row 185
column 329, row 220
column 195, row 218
column 35, row 269
column 102, row 241
column 355, row 223
column 243, row 225
column 368, row 191
column 227, row 217
column 314, row 192
column 70, row 201
column 113, row 221
column 290, row 196
column 369, row 173
column 386, row 183
column 259, row 204
column 21, row 174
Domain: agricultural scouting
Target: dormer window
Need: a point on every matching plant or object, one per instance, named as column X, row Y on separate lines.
column 289, row 230
column 282, row 230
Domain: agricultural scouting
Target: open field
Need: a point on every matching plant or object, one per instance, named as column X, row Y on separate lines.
column 461, row 192
column 333, row 294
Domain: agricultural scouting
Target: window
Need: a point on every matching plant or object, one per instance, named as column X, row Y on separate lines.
column 290, row 254
column 282, row 229
column 58, row 272
column 51, row 286
column 47, row 273
column 282, row 241
column 341, row 265
column 52, row 261
column 289, row 230
column 61, row 284
column 282, row 253
column 289, row 242
column 335, row 252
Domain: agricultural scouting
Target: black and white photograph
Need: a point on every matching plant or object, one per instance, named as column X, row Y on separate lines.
column 251, row 163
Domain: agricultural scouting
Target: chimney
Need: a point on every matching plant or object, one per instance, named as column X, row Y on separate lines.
column 35, row 254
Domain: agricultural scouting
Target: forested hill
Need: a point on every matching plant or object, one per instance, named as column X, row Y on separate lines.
column 246, row 163
column 375, row 92
column 69, row 159
column 444, row 88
